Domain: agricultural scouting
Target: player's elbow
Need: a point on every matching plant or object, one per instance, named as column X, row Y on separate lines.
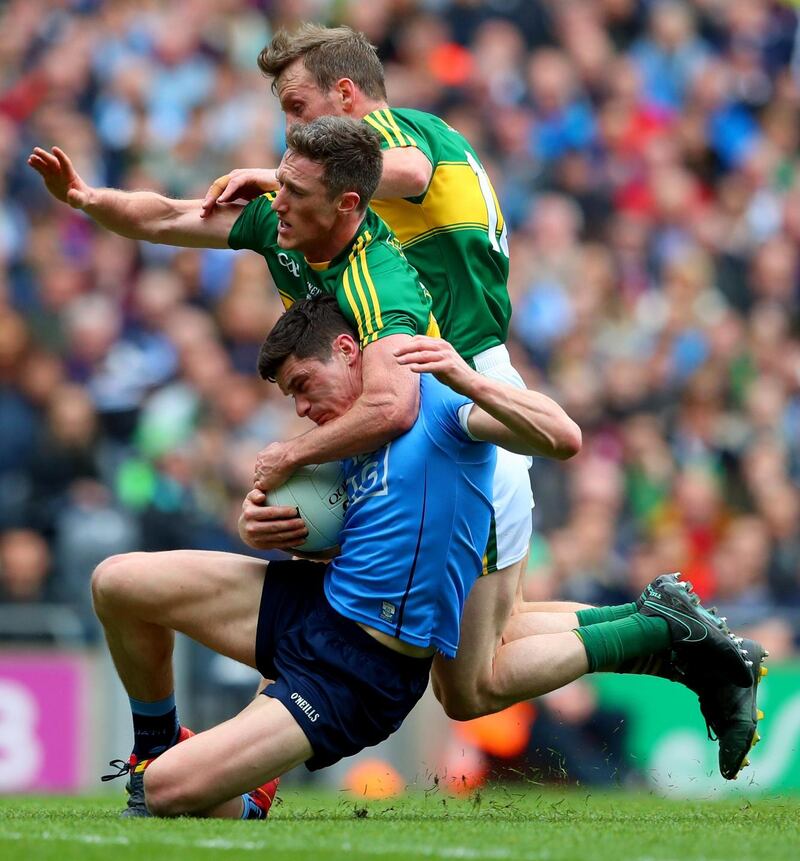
column 569, row 441
column 398, row 416
column 417, row 179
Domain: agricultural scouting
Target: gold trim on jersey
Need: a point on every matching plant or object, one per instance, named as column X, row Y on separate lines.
column 351, row 301
column 359, row 244
column 380, row 128
column 383, row 120
column 449, row 228
column 433, row 328
column 362, row 296
column 371, row 287
column 453, row 201
column 287, row 300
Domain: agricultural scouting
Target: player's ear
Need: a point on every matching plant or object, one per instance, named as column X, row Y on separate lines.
column 348, row 202
column 346, row 94
column 347, row 346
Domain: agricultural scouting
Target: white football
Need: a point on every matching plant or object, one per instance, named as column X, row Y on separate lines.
column 319, row 492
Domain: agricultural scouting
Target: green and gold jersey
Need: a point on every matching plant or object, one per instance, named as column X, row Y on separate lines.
column 453, row 234
column 378, row 291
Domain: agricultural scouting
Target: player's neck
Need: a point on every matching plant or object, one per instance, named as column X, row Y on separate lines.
column 367, row 106
column 340, row 237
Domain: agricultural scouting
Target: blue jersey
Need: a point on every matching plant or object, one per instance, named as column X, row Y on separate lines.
column 416, row 527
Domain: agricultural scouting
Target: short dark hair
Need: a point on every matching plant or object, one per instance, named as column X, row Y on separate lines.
column 329, row 54
column 307, row 329
column 349, row 152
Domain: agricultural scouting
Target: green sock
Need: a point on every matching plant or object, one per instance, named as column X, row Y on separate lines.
column 593, row 615
column 608, row 644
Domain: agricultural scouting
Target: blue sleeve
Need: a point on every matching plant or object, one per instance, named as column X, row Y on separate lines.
column 440, row 405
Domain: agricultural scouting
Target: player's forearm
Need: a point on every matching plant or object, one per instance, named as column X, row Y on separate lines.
column 138, row 214
column 365, row 427
column 533, row 423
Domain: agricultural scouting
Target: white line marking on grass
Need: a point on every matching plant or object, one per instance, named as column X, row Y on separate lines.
column 222, row 843
column 305, row 844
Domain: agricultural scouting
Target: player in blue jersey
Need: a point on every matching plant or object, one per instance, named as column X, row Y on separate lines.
column 349, row 644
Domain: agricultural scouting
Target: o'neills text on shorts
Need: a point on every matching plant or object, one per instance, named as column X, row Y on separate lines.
column 305, row 706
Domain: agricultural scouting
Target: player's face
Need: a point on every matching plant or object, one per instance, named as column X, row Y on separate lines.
column 306, row 212
column 323, row 390
column 301, row 99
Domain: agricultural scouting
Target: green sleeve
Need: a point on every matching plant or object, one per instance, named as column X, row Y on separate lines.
column 381, row 295
column 257, row 227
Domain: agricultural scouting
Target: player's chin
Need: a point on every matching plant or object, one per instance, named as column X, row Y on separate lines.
column 287, row 238
column 324, row 418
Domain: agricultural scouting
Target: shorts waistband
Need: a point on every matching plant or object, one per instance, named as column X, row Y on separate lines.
column 356, row 634
column 491, row 358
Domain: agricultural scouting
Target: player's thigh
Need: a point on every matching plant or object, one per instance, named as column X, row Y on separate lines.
column 209, row 596
column 486, row 612
column 492, row 597
column 262, row 742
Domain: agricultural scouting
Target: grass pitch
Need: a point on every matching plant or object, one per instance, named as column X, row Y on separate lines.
column 498, row 825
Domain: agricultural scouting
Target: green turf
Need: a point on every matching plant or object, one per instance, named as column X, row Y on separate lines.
column 500, row 824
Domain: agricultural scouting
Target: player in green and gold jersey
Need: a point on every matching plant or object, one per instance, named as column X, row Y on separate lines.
column 453, row 232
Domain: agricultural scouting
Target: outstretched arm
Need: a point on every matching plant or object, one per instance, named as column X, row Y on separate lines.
column 138, row 214
column 520, row 420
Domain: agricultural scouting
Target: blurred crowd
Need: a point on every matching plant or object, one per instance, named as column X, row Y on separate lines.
column 645, row 153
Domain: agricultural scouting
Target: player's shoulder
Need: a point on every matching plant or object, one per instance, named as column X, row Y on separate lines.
column 263, row 201
column 402, row 127
column 377, row 242
column 439, row 406
column 256, row 227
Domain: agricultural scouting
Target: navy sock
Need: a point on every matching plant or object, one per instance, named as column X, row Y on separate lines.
column 155, row 726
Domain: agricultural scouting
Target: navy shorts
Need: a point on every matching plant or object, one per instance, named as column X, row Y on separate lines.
column 345, row 690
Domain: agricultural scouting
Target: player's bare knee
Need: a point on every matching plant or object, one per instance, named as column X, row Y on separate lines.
column 110, row 580
column 164, row 793
column 462, row 705
column 470, row 701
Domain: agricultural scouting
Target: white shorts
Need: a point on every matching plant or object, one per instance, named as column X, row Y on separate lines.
column 510, row 535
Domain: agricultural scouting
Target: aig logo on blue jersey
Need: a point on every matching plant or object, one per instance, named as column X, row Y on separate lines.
column 368, row 475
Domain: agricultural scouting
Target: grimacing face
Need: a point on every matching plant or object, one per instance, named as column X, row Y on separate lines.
column 323, row 390
column 300, row 97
